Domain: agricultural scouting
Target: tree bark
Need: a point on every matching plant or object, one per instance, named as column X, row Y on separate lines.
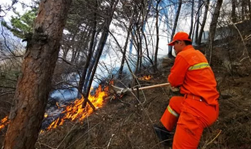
column 90, row 53
column 243, row 9
column 233, row 13
column 37, row 69
column 249, row 8
column 192, row 13
column 124, row 51
column 100, row 47
column 203, row 21
column 174, row 27
column 212, row 30
column 145, row 16
column 196, row 32
column 157, row 37
column 139, row 48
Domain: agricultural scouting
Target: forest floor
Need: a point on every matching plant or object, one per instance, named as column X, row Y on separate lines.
column 127, row 122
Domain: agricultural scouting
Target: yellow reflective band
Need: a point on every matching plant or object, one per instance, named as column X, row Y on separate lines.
column 199, row 66
column 172, row 111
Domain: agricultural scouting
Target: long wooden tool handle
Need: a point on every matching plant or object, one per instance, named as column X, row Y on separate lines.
column 152, row 86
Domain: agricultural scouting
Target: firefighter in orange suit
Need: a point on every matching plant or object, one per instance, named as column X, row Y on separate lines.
column 199, row 107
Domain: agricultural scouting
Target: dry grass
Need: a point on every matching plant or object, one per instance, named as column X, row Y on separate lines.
column 127, row 123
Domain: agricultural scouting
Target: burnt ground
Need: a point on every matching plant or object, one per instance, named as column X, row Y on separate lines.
column 126, row 122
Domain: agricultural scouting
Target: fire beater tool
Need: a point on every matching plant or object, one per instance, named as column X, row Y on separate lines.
column 120, row 90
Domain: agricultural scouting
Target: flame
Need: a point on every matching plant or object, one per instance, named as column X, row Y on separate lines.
column 146, row 77
column 45, row 115
column 4, row 122
column 76, row 111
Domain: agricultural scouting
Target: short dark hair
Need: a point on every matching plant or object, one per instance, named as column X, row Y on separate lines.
column 188, row 42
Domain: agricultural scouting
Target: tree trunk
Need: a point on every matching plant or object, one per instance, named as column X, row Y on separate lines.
column 198, row 22
column 243, row 9
column 101, row 46
column 192, row 12
column 136, row 36
column 203, row 21
column 124, row 51
column 69, row 39
column 90, row 53
column 174, row 27
column 157, row 37
column 37, row 69
column 233, row 13
column 147, row 49
column 74, row 55
column 139, row 49
column 212, row 30
column 249, row 8
column 145, row 16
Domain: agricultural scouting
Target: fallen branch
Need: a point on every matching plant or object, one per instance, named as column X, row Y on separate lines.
column 214, row 138
column 208, row 143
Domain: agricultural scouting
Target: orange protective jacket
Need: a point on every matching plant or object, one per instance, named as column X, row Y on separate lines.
column 192, row 73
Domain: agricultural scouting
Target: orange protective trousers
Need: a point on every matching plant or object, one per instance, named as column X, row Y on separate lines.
column 192, row 115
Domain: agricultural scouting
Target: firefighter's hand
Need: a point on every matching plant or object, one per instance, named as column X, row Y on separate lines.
column 174, row 89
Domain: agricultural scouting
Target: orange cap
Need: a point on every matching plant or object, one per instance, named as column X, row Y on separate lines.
column 180, row 36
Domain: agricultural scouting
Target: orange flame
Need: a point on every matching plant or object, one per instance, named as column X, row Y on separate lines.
column 76, row 110
column 73, row 111
column 4, row 122
column 146, row 77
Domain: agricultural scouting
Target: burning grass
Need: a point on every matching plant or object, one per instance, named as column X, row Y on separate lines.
column 145, row 77
column 121, row 123
column 77, row 110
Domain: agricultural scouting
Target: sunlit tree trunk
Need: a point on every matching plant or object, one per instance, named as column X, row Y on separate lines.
column 206, row 3
column 212, row 30
column 37, row 69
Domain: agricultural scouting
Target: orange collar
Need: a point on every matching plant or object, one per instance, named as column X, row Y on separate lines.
column 187, row 47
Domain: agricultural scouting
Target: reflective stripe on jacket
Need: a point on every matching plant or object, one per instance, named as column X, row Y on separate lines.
column 193, row 74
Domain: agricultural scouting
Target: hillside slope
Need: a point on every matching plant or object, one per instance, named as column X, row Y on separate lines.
column 127, row 122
